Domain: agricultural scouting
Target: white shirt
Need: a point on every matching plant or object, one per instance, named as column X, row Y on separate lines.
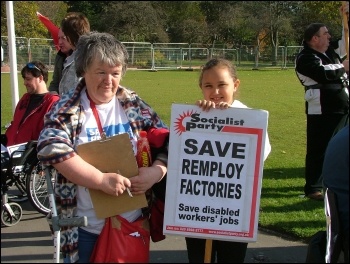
column 267, row 149
column 114, row 122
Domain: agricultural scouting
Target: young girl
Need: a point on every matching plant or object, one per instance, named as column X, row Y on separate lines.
column 219, row 84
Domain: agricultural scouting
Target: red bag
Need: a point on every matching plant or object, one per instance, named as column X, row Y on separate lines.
column 156, row 220
column 123, row 242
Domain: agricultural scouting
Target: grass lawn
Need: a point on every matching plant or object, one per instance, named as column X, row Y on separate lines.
column 283, row 207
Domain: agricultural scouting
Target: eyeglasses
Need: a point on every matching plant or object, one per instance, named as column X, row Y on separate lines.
column 32, row 66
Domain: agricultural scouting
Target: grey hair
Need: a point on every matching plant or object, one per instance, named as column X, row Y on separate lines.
column 103, row 47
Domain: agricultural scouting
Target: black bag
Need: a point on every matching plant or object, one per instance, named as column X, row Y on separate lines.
column 316, row 250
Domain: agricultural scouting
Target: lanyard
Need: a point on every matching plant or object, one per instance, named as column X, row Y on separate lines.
column 94, row 111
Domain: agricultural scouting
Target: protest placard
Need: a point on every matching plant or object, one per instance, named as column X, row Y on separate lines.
column 215, row 169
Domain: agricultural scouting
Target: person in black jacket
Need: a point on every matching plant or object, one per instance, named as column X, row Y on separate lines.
column 322, row 70
column 62, row 54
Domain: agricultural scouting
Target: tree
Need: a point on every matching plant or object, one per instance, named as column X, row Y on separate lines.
column 3, row 19
column 26, row 23
column 229, row 23
column 326, row 12
column 93, row 10
column 266, row 21
column 54, row 10
column 279, row 21
column 217, row 14
column 133, row 21
column 185, row 21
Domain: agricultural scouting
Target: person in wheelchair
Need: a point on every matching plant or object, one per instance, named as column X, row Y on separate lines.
column 18, row 161
column 28, row 119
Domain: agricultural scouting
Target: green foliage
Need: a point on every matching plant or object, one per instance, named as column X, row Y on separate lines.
column 3, row 19
column 54, row 10
column 93, row 10
column 326, row 12
column 230, row 23
column 26, row 22
column 185, row 22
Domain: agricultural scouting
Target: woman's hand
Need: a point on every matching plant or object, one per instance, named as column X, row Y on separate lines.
column 147, row 177
column 114, row 184
column 84, row 174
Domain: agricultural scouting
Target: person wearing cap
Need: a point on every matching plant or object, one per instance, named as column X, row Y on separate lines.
column 28, row 119
column 322, row 69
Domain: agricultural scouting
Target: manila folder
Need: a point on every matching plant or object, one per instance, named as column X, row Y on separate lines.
column 112, row 155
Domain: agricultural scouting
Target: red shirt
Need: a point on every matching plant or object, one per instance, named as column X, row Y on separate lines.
column 29, row 129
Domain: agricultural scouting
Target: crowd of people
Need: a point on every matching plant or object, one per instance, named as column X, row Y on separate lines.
column 86, row 102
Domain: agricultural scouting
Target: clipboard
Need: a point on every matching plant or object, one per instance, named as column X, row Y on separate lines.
column 110, row 155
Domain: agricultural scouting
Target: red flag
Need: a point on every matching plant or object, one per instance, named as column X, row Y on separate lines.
column 51, row 27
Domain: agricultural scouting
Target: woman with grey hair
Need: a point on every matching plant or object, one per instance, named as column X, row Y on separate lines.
column 98, row 107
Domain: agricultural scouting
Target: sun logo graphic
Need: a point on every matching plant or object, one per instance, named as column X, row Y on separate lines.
column 181, row 120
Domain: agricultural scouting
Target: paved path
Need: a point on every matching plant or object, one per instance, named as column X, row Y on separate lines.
column 30, row 242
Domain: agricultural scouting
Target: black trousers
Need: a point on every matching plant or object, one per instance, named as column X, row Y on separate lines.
column 222, row 251
column 319, row 130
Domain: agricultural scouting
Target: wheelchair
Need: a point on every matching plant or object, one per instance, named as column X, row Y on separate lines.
column 21, row 168
column 36, row 187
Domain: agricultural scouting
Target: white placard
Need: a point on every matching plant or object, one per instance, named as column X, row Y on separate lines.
column 215, row 167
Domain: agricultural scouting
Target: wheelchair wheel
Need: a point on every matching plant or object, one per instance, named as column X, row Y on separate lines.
column 37, row 188
column 7, row 219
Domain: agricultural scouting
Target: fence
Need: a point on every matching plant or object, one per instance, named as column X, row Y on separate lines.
column 157, row 56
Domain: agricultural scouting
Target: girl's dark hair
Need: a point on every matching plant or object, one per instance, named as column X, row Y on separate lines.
column 74, row 25
column 218, row 62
